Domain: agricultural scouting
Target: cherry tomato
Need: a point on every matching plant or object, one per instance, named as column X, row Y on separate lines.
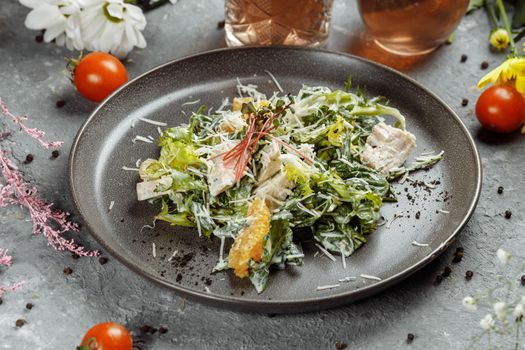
column 107, row 336
column 501, row 108
column 98, row 74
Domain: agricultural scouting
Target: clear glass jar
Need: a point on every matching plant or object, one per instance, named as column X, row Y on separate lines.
column 277, row 22
column 411, row 27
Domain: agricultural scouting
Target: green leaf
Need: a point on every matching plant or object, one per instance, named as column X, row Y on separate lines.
column 175, row 219
column 474, row 5
column 348, row 83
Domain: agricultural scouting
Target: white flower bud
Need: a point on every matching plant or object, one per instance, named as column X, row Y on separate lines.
column 500, row 308
column 487, row 322
column 503, row 256
column 470, row 303
column 518, row 311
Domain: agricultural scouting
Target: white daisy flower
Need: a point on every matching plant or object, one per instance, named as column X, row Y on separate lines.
column 59, row 18
column 487, row 322
column 470, row 303
column 112, row 26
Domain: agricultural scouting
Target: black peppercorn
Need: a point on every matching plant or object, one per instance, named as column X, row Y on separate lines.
column 146, row 328
column 39, row 38
column 29, row 306
column 438, row 280
column 340, row 346
column 500, row 189
column 68, row 271
column 102, row 260
column 464, row 102
column 19, row 323
column 523, row 280
column 463, row 58
column 446, row 271
column 55, row 154
column 220, row 24
column 410, row 338
column 508, row 214
column 60, row 103
column 469, row 274
column 29, row 158
column 458, row 256
column 484, row 65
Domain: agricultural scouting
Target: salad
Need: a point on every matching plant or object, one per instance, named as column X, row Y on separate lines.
column 254, row 171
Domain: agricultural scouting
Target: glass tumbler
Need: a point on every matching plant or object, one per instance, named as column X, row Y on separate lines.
column 277, row 22
column 411, row 27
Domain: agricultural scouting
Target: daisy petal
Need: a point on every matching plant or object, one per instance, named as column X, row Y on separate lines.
column 42, row 17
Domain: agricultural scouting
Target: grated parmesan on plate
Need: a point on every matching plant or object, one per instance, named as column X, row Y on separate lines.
column 370, row 277
column 330, row 286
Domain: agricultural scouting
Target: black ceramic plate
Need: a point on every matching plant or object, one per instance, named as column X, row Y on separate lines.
column 104, row 145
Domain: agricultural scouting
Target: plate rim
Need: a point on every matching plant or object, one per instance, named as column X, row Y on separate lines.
column 275, row 306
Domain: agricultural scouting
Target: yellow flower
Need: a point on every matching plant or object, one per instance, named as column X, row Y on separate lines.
column 512, row 70
column 500, row 39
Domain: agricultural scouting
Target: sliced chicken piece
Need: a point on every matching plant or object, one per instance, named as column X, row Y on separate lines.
column 146, row 189
column 221, row 176
column 387, row 148
column 270, row 160
column 275, row 190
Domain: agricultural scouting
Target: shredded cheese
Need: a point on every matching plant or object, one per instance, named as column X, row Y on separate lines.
column 190, row 103
column 330, row 286
column 370, row 277
column 129, row 169
column 141, row 138
column 326, row 252
column 111, row 204
column 417, row 244
column 154, row 122
column 347, row 279
column 154, row 249
column 444, row 211
column 173, row 255
column 221, row 250
column 274, row 80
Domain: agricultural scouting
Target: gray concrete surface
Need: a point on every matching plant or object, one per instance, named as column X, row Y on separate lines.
column 32, row 80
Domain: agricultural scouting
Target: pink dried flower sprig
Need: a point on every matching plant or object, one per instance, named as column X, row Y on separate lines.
column 51, row 223
column 32, row 132
column 10, row 288
column 16, row 191
column 5, row 259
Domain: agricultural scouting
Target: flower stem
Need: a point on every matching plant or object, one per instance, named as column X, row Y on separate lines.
column 506, row 24
column 489, row 8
